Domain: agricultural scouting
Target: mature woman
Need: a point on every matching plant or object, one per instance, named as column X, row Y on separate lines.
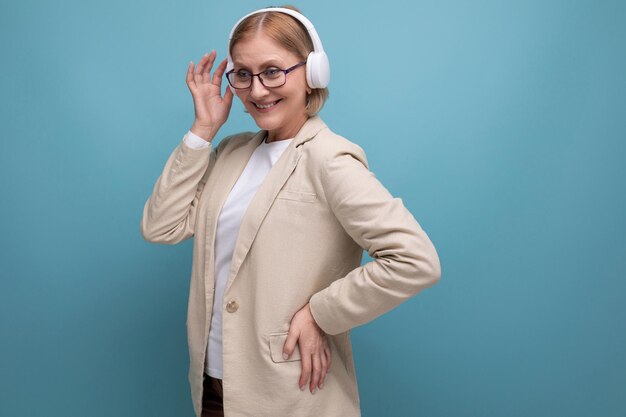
column 280, row 219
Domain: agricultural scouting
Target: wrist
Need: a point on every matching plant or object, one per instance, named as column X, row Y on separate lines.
column 205, row 132
column 309, row 314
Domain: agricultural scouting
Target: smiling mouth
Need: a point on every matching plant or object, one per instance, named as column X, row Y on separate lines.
column 266, row 106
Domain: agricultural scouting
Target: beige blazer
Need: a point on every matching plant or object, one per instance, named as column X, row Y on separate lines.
column 301, row 240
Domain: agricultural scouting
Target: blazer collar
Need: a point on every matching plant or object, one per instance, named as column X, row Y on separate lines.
column 309, row 129
column 266, row 193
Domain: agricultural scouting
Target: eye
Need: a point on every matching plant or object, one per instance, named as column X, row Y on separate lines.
column 243, row 74
column 272, row 72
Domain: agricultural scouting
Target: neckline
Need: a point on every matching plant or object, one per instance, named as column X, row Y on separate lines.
column 276, row 141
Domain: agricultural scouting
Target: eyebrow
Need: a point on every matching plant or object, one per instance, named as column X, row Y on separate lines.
column 271, row 62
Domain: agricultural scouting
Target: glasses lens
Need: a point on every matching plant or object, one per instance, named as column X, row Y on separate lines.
column 240, row 79
column 273, row 77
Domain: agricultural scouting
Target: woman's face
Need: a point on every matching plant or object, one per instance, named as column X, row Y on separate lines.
column 287, row 113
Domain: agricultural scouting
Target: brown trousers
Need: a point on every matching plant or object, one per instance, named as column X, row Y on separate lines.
column 212, row 397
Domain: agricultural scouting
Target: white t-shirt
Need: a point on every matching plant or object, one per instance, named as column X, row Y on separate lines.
column 228, row 222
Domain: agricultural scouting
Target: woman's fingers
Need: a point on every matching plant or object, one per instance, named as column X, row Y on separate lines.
column 290, row 343
column 316, row 372
column 325, row 355
column 329, row 355
column 202, row 73
column 206, row 71
column 219, row 72
column 202, row 63
column 189, row 77
column 306, row 370
column 210, row 107
column 325, row 367
column 314, row 348
column 228, row 97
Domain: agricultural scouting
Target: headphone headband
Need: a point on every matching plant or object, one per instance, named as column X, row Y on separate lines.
column 317, row 43
column 317, row 66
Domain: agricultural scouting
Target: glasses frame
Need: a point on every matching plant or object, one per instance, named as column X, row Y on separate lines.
column 286, row 71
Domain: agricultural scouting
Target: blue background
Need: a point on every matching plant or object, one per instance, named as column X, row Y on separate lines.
column 501, row 125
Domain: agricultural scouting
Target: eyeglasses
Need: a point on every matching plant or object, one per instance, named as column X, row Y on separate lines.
column 270, row 78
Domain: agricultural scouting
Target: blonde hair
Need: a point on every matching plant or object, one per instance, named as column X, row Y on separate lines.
column 289, row 33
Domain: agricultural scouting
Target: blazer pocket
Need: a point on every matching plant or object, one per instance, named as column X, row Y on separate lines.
column 305, row 197
column 277, row 341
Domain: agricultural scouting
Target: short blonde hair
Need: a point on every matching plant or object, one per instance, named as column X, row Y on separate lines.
column 291, row 35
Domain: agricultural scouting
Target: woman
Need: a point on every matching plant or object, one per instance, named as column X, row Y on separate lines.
column 280, row 219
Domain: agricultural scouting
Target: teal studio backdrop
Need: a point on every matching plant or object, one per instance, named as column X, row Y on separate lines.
column 501, row 125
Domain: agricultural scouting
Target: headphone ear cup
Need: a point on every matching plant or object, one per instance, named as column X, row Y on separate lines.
column 317, row 70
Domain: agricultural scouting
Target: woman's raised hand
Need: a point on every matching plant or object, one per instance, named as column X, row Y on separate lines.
column 211, row 109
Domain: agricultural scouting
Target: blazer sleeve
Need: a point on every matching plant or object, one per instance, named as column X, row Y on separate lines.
column 404, row 259
column 169, row 215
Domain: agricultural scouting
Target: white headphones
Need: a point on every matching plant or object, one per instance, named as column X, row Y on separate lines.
column 317, row 66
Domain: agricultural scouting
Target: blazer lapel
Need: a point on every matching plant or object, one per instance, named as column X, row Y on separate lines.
column 265, row 195
column 227, row 177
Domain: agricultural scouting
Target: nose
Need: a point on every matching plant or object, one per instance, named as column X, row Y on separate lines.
column 257, row 89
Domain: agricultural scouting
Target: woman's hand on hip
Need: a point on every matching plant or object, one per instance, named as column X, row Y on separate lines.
column 211, row 109
column 314, row 348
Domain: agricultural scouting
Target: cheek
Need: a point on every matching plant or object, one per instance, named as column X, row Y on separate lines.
column 298, row 86
column 241, row 95
column 299, row 92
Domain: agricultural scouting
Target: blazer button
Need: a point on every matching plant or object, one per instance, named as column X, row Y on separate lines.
column 232, row 306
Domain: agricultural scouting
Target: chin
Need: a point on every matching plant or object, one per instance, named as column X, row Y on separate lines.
column 265, row 122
